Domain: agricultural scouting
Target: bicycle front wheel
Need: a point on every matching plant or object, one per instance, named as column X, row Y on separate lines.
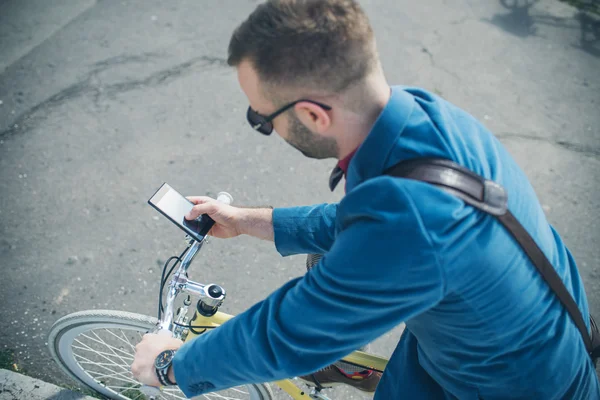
column 96, row 349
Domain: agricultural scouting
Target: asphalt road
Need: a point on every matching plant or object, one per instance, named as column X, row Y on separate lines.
column 102, row 101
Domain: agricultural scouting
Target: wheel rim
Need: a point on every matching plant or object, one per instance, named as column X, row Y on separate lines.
column 100, row 355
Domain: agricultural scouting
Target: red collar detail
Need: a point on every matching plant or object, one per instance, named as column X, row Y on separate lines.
column 345, row 162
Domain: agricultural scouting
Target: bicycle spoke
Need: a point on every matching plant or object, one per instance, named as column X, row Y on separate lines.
column 114, row 375
column 174, row 395
column 96, row 363
column 102, row 365
column 106, row 358
column 108, row 346
column 99, row 352
column 117, row 376
column 126, row 341
column 125, row 388
column 120, row 373
column 142, row 395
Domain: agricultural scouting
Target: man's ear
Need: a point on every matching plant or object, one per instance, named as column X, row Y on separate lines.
column 314, row 117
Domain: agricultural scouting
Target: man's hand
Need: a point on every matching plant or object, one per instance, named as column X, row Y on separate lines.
column 146, row 352
column 227, row 218
column 233, row 221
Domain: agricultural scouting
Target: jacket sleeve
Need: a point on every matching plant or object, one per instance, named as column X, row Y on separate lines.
column 380, row 271
column 303, row 230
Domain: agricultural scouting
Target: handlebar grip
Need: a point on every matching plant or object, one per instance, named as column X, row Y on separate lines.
column 207, row 222
column 225, row 197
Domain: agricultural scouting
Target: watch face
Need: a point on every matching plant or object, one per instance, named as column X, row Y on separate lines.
column 164, row 359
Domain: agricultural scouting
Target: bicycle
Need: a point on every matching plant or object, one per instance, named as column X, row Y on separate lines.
column 106, row 339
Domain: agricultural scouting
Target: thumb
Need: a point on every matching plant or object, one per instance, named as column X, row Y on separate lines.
column 195, row 212
column 201, row 208
column 200, row 199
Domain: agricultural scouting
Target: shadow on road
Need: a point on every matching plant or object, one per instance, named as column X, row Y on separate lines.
column 590, row 34
column 517, row 22
column 520, row 22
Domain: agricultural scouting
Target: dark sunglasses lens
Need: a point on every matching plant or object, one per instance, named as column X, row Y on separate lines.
column 254, row 119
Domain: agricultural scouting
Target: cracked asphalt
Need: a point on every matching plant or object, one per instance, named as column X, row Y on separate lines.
column 101, row 102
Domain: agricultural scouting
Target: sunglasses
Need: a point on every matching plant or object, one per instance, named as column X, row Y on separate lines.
column 264, row 123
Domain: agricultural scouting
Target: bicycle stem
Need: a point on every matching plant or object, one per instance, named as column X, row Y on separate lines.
column 178, row 283
column 210, row 295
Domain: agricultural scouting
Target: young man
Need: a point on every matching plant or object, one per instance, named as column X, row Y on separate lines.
column 480, row 320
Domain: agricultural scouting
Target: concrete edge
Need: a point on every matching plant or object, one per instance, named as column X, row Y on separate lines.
column 17, row 386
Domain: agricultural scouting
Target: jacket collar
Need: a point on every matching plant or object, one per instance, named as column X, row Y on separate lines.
column 370, row 158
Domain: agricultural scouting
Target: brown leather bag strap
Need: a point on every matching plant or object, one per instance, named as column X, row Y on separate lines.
column 491, row 198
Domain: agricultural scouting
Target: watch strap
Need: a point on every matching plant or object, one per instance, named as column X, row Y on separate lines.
column 163, row 377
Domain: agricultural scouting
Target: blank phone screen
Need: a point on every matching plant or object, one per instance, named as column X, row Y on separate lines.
column 174, row 206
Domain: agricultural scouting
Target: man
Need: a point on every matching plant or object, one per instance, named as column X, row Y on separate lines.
column 480, row 321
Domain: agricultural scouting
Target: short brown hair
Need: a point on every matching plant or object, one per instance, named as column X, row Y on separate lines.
column 317, row 44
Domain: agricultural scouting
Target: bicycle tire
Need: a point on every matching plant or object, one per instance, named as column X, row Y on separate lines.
column 78, row 330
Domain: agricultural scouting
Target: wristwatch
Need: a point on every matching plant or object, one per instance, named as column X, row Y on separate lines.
column 162, row 364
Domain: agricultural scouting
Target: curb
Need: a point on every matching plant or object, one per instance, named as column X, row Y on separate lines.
column 15, row 386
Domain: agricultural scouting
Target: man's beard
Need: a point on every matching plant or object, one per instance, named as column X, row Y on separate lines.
column 308, row 143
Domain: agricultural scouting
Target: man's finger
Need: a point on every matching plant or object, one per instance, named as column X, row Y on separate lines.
column 199, row 209
column 199, row 199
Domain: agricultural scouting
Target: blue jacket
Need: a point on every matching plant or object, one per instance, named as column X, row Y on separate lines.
column 485, row 324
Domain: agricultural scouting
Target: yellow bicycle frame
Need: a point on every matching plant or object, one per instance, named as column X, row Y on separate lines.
column 359, row 358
